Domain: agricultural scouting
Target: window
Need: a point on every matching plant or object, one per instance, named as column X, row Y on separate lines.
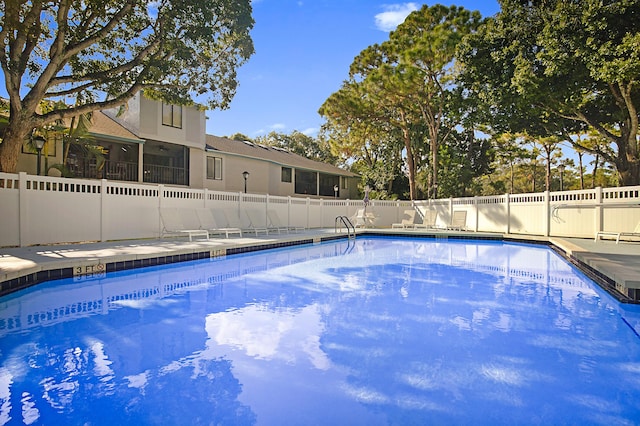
column 286, row 174
column 327, row 183
column 172, row 115
column 214, row 168
column 344, row 182
column 306, row 182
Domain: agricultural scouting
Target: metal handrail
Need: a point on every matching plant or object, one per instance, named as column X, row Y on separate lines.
column 347, row 224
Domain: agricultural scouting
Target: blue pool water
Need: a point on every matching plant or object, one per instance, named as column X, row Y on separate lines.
column 380, row 331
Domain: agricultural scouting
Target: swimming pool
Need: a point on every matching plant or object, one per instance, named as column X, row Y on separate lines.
column 377, row 331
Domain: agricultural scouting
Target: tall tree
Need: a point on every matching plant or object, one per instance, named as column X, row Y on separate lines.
column 406, row 82
column 425, row 45
column 549, row 147
column 554, row 68
column 509, row 151
column 100, row 54
column 359, row 133
column 463, row 159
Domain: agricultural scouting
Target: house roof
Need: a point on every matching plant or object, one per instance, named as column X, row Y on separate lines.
column 272, row 154
column 102, row 127
column 105, row 127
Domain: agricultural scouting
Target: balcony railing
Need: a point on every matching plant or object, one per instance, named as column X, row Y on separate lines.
column 165, row 175
column 126, row 171
column 113, row 170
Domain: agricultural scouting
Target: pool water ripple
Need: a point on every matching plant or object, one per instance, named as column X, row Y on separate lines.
column 380, row 331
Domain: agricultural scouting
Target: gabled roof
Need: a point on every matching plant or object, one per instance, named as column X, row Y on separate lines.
column 102, row 127
column 105, row 127
column 272, row 154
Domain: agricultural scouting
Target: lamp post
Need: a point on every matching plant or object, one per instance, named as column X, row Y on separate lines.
column 38, row 142
column 245, row 175
column 335, row 191
column 561, row 170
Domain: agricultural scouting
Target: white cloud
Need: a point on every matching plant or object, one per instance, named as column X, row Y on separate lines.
column 276, row 127
column 394, row 15
column 310, row 131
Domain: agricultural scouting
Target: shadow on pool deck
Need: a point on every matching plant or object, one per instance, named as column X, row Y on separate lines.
column 613, row 266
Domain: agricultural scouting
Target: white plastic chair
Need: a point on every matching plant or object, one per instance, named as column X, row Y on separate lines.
column 255, row 222
column 428, row 221
column 618, row 235
column 172, row 224
column 458, row 221
column 276, row 223
column 208, row 222
column 408, row 220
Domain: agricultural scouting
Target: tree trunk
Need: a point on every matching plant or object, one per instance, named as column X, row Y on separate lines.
column 434, row 164
column 511, row 177
column 629, row 177
column 410, row 163
column 533, row 177
column 581, row 169
column 547, row 177
column 628, row 169
column 14, row 137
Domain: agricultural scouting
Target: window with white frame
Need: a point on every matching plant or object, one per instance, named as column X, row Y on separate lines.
column 214, row 168
column 172, row 115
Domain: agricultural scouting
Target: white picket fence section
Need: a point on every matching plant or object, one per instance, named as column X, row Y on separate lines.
column 38, row 210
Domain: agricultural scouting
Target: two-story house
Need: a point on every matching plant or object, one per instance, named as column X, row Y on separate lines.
column 152, row 142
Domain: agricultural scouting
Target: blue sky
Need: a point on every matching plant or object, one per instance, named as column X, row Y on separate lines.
column 303, row 52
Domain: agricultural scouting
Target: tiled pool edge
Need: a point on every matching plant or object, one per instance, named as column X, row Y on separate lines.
column 33, row 277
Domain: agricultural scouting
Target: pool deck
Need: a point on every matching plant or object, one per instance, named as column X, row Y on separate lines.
column 613, row 266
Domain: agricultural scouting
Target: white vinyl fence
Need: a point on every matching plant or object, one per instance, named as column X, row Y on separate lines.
column 46, row 210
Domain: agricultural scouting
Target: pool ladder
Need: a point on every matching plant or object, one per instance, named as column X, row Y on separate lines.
column 351, row 230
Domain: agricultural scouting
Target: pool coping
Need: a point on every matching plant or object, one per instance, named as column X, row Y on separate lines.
column 27, row 266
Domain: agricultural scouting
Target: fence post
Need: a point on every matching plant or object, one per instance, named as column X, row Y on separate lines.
column 547, row 213
column 160, row 205
column 598, row 225
column 22, row 208
column 266, row 209
column 475, row 203
column 103, row 209
column 241, row 205
column 508, row 212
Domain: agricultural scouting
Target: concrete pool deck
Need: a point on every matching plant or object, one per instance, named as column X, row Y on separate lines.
column 613, row 266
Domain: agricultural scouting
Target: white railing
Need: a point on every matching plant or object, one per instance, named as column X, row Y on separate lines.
column 46, row 210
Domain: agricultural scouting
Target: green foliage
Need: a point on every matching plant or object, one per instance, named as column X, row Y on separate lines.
column 462, row 161
column 102, row 53
column 301, row 144
column 557, row 68
column 240, row 137
column 400, row 96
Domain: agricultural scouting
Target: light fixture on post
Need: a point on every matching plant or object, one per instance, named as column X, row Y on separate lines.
column 38, row 142
column 245, row 175
column 335, row 191
column 561, row 170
